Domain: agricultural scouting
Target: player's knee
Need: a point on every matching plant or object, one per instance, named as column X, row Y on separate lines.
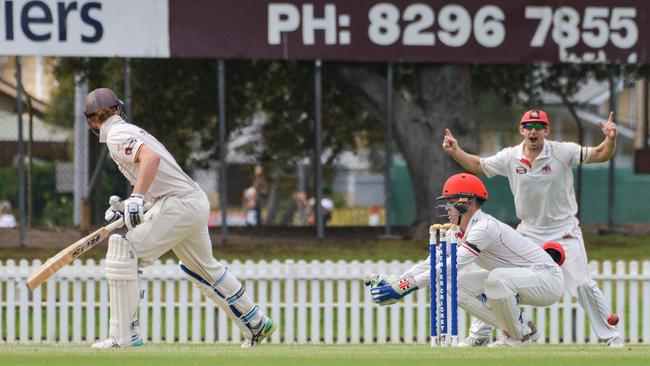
column 121, row 260
column 497, row 287
column 464, row 291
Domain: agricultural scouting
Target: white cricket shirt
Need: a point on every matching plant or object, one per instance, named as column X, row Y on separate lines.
column 543, row 191
column 124, row 141
column 490, row 244
column 493, row 244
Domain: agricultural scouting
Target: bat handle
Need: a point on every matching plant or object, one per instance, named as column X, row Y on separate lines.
column 114, row 225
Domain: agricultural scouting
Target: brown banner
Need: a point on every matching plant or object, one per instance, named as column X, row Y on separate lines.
column 500, row 31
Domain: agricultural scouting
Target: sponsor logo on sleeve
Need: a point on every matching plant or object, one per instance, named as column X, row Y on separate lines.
column 129, row 148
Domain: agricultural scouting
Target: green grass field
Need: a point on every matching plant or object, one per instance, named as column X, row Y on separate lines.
column 357, row 355
column 599, row 247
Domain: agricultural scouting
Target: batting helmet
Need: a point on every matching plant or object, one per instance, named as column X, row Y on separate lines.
column 556, row 252
column 535, row 116
column 99, row 99
column 464, row 185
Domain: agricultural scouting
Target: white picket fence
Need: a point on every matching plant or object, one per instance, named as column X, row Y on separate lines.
column 315, row 302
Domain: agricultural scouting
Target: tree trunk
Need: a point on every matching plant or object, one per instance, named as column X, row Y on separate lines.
column 419, row 124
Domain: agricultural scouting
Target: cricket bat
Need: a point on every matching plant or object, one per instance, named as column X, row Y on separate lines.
column 70, row 253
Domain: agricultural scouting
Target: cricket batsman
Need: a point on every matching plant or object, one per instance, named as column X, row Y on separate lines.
column 177, row 221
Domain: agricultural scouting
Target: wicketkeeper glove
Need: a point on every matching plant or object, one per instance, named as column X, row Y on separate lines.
column 376, row 280
column 391, row 293
column 134, row 210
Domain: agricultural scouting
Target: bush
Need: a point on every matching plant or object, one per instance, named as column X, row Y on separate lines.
column 49, row 206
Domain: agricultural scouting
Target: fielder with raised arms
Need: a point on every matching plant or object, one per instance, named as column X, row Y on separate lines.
column 177, row 222
column 541, row 180
column 513, row 270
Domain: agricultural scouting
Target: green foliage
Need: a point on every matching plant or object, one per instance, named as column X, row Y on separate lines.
column 273, row 102
column 49, row 207
column 9, row 186
column 57, row 211
column 177, row 100
column 600, row 248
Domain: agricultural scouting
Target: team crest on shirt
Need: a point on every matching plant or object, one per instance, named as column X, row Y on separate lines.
column 520, row 170
column 129, row 148
column 546, row 169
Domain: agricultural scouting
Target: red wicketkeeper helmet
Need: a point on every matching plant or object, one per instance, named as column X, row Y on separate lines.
column 556, row 252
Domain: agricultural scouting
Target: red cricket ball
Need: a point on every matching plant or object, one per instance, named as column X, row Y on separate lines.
column 612, row 319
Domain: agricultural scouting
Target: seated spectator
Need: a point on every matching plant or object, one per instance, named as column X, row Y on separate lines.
column 307, row 212
column 374, row 218
column 7, row 219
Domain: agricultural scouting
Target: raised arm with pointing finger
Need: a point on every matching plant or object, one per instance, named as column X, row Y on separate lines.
column 541, row 180
column 469, row 162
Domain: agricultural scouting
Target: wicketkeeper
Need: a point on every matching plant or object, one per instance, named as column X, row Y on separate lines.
column 177, row 222
column 513, row 270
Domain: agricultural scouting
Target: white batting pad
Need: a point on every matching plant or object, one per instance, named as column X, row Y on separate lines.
column 230, row 295
column 124, row 292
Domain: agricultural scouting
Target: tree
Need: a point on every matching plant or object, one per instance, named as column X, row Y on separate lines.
column 432, row 98
column 179, row 98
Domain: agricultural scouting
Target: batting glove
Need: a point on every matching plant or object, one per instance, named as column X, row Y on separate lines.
column 116, row 209
column 393, row 292
column 134, row 210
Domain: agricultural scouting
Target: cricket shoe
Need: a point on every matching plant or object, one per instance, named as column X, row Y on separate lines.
column 509, row 342
column 111, row 342
column 616, row 342
column 269, row 327
column 474, row 341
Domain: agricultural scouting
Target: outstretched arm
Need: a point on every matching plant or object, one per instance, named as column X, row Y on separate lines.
column 605, row 150
column 469, row 162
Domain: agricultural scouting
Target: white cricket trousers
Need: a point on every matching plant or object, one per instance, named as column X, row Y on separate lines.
column 179, row 224
column 577, row 276
column 537, row 286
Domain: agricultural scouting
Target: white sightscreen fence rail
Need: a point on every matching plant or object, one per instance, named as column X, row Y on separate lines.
column 315, row 302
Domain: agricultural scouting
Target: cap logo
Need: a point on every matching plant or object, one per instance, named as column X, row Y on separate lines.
column 534, row 114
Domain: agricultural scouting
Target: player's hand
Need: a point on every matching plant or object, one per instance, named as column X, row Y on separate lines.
column 134, row 210
column 390, row 294
column 376, row 280
column 609, row 128
column 116, row 209
column 449, row 143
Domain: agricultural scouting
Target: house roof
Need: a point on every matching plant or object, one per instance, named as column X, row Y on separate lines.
column 9, row 89
column 42, row 131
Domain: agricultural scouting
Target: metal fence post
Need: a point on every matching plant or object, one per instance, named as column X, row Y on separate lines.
column 611, row 176
column 318, row 169
column 223, row 152
column 21, row 153
column 389, row 145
